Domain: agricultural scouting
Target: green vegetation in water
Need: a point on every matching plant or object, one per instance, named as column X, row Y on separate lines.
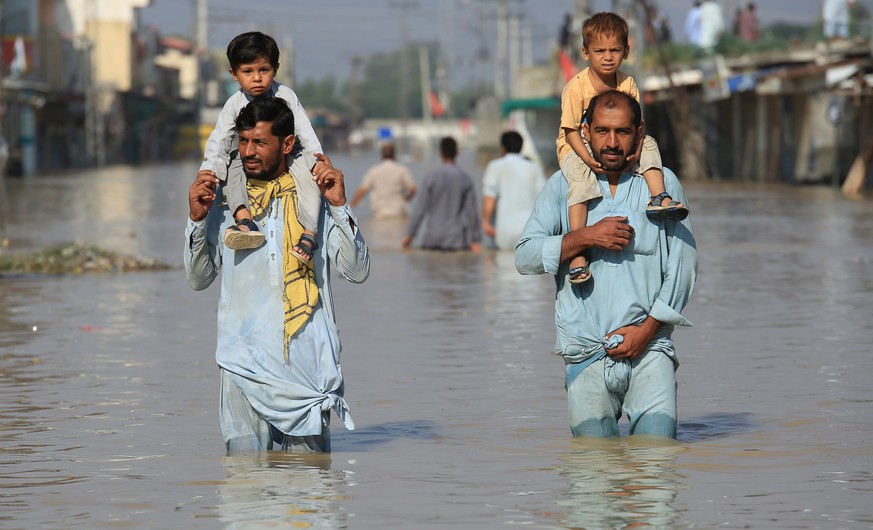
column 76, row 258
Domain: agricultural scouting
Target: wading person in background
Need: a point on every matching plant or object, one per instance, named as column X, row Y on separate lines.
column 447, row 204
column 390, row 185
column 614, row 332
column 509, row 189
column 278, row 348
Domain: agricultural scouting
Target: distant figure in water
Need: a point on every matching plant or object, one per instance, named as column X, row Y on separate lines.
column 447, row 204
column 390, row 185
column 509, row 189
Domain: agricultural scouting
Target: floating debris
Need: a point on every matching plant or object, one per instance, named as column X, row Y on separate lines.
column 76, row 258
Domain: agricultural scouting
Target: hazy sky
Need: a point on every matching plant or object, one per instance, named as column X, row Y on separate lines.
column 327, row 34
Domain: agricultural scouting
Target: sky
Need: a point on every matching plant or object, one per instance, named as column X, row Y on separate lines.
column 327, row 34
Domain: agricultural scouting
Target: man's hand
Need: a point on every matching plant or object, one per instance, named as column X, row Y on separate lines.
column 201, row 195
column 475, row 247
column 330, row 180
column 636, row 339
column 610, row 233
column 406, row 243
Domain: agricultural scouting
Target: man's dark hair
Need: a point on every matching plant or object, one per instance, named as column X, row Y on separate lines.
column 511, row 141
column 272, row 110
column 612, row 99
column 249, row 47
column 448, row 147
column 388, row 151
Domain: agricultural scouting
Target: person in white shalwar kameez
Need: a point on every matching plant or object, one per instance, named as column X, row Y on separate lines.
column 278, row 349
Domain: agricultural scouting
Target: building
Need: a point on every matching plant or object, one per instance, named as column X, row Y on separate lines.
column 83, row 84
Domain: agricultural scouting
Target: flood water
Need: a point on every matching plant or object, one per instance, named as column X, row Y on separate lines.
column 109, row 389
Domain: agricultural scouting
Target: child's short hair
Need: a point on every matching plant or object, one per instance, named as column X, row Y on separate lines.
column 604, row 24
column 249, row 47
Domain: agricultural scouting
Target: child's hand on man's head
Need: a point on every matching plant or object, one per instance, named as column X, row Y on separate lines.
column 634, row 158
column 591, row 162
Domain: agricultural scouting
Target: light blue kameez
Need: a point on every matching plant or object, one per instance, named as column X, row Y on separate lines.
column 291, row 395
column 653, row 276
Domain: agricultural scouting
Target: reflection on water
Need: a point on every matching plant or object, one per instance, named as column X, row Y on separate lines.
column 272, row 489
column 109, row 389
column 625, row 483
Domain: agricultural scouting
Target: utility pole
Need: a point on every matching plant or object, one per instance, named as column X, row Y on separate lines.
column 288, row 63
column 95, row 140
column 500, row 52
column 202, row 46
column 356, row 110
column 4, row 148
column 404, row 6
column 426, row 107
column 445, row 62
column 514, row 51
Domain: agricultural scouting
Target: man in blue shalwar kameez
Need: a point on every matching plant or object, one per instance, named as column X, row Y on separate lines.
column 278, row 346
column 614, row 332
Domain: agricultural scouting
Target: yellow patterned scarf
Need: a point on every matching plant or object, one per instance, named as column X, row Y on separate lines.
column 300, row 293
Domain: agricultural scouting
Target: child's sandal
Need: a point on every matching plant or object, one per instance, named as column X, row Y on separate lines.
column 236, row 239
column 305, row 248
column 674, row 211
column 579, row 274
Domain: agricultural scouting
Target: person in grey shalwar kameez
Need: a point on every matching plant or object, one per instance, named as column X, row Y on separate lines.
column 447, row 206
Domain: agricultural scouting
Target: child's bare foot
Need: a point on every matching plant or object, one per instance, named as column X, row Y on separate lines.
column 579, row 272
column 662, row 207
column 244, row 235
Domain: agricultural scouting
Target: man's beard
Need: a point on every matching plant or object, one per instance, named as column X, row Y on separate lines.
column 618, row 165
column 265, row 173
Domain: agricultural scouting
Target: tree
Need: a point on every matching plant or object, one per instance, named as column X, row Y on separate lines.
column 325, row 94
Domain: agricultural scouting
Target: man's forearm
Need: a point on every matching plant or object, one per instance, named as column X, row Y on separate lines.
column 573, row 243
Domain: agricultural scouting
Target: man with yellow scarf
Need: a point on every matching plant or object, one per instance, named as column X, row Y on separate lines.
column 278, row 348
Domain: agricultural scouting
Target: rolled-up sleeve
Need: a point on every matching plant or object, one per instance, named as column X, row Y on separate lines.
column 680, row 272
column 199, row 256
column 346, row 246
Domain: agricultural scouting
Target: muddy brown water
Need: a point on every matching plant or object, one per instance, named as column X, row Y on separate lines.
column 108, row 386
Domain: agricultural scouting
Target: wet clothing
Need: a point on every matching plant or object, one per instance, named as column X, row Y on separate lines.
column 446, row 204
column 653, row 276
column 291, row 394
column 247, row 430
column 514, row 183
column 645, row 391
column 220, row 155
column 388, row 184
